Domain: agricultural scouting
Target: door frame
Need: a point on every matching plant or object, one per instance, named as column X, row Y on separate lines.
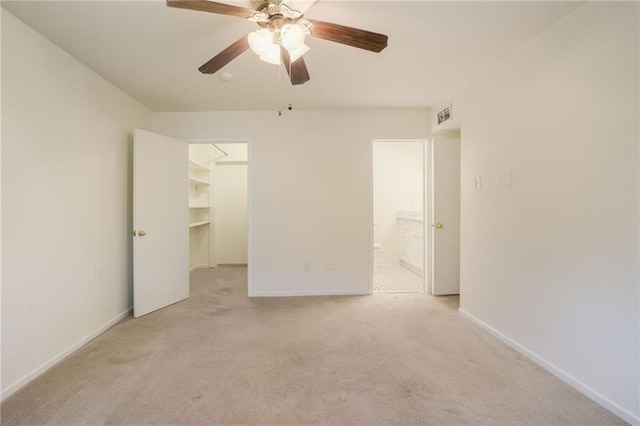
column 428, row 218
column 427, row 202
column 249, row 142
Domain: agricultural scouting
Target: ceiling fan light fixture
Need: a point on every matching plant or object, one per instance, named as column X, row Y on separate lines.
column 260, row 41
column 273, row 40
column 292, row 36
column 272, row 55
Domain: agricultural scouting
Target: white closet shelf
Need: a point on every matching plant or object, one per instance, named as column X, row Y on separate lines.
column 199, row 166
column 194, row 224
column 198, row 181
column 199, row 207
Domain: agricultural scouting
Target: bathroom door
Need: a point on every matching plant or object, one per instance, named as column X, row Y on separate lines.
column 445, row 261
column 161, row 222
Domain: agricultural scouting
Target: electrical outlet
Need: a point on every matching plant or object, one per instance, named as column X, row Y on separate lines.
column 306, row 267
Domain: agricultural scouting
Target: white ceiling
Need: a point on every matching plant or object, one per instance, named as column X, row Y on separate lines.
column 152, row 52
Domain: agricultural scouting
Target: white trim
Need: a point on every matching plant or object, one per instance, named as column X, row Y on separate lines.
column 193, row 268
column 10, row 390
column 250, row 169
column 558, row 372
column 217, row 140
column 371, row 218
column 429, row 248
column 307, row 293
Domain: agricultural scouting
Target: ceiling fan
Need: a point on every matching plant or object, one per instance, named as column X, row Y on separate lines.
column 282, row 34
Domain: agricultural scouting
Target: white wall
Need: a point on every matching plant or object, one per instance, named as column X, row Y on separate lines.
column 398, row 185
column 66, row 202
column 551, row 261
column 230, row 201
column 310, row 183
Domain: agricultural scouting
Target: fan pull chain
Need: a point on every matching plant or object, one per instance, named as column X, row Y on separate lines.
column 279, row 92
column 290, row 87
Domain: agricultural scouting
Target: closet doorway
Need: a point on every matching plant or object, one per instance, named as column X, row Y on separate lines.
column 398, row 249
column 218, row 202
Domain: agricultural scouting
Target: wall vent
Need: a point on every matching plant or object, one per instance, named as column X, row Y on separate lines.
column 444, row 115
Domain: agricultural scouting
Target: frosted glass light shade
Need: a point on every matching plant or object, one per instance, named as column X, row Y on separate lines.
column 272, row 54
column 292, row 36
column 260, row 41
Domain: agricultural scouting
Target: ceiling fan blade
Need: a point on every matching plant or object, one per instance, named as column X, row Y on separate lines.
column 297, row 70
column 212, row 7
column 226, row 56
column 362, row 39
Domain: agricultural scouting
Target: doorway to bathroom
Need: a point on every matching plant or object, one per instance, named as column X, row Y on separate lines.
column 398, row 250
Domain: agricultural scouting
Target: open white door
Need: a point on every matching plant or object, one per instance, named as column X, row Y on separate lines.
column 445, row 251
column 161, row 222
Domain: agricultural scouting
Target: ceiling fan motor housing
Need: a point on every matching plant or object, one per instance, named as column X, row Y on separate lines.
column 261, row 4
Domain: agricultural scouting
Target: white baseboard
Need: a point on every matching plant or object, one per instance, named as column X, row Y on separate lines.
column 306, row 293
column 13, row 388
column 198, row 267
column 561, row 374
column 412, row 268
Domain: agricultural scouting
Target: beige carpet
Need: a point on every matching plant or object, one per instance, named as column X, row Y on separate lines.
column 221, row 358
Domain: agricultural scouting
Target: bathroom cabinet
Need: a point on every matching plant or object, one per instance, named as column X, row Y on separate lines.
column 411, row 244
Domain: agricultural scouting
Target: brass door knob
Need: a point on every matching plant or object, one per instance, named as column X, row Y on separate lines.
column 438, row 226
column 141, row 233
